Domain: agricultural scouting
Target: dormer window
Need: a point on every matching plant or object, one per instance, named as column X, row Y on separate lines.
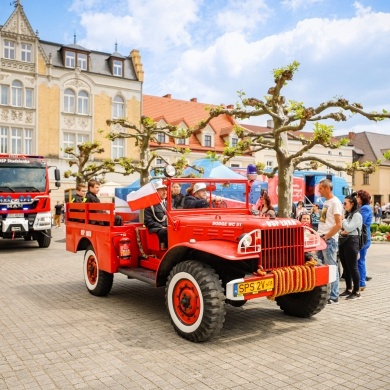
column 207, row 141
column 75, row 58
column 117, row 68
column 234, row 142
column 82, row 61
column 161, row 138
column 70, row 59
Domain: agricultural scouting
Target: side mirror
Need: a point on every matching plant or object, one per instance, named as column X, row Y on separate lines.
column 58, row 184
column 57, row 175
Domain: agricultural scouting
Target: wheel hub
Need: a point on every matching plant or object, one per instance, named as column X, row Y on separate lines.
column 186, row 301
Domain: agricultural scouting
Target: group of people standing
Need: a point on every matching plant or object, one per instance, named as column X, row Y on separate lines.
column 340, row 225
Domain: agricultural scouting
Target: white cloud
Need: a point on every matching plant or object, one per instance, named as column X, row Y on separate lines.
column 345, row 57
column 153, row 25
column 299, row 4
column 360, row 9
column 243, row 15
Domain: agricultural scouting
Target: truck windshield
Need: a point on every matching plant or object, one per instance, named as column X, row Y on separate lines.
column 22, row 179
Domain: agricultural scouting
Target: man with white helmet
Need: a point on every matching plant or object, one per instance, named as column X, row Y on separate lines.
column 155, row 217
column 197, row 197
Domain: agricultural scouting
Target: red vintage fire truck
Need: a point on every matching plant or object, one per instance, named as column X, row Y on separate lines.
column 25, row 210
column 215, row 256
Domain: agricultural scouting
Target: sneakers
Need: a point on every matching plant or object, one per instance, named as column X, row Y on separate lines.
column 333, row 301
column 353, row 295
column 345, row 293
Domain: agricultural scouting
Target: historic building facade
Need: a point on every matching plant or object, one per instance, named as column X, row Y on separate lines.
column 55, row 96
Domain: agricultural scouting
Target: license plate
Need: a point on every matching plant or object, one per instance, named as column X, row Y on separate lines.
column 256, row 287
column 16, row 215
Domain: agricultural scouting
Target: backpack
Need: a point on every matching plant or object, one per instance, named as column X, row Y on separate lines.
column 363, row 236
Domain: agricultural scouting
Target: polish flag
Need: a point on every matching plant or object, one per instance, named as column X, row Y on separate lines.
column 146, row 196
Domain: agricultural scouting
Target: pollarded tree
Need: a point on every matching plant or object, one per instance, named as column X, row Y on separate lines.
column 290, row 117
column 87, row 169
column 143, row 134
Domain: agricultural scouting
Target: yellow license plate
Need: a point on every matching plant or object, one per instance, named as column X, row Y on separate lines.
column 256, row 287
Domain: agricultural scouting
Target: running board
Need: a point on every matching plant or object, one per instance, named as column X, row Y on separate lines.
column 145, row 275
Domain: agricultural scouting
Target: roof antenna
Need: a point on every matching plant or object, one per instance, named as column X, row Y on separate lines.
column 116, row 45
column 74, row 38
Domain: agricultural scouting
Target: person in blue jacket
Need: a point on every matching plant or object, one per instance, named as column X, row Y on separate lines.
column 364, row 200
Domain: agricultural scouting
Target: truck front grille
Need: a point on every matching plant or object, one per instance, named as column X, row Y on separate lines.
column 282, row 247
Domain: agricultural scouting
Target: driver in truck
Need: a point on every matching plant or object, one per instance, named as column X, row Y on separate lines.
column 155, row 217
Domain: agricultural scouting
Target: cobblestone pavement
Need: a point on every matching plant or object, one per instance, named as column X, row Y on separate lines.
column 55, row 335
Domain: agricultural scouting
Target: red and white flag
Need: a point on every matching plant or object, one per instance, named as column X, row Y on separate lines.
column 146, row 196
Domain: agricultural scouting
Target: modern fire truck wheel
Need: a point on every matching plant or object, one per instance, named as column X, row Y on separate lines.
column 195, row 301
column 44, row 238
column 98, row 282
column 304, row 304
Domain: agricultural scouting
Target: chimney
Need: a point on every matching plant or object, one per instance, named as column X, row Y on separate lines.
column 230, row 107
column 351, row 135
column 270, row 123
column 195, row 100
column 168, row 96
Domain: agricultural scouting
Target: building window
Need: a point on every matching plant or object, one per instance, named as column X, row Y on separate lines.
column 340, row 153
column 82, row 103
column 180, row 141
column 118, row 148
column 28, row 142
column 207, row 141
column 366, row 179
column 26, row 52
column 329, row 152
column 328, row 170
column 9, row 50
column 3, row 140
column 269, row 164
column 234, row 142
column 69, row 141
column 16, row 141
column 161, row 138
column 70, row 59
column 117, row 68
column 17, row 93
column 69, row 100
column 29, row 98
column 235, row 166
column 118, row 108
column 4, row 94
column 82, row 61
column 160, row 161
column 340, row 173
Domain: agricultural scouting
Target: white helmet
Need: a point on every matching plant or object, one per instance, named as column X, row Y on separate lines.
column 199, row 186
column 159, row 184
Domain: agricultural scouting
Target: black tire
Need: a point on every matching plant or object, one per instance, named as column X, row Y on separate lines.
column 195, row 301
column 98, row 282
column 44, row 238
column 304, row 304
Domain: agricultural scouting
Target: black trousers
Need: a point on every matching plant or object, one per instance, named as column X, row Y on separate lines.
column 348, row 253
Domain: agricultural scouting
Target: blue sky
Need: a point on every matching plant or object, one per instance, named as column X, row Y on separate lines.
column 211, row 49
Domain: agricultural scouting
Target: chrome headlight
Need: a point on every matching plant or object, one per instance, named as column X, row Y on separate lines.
column 245, row 240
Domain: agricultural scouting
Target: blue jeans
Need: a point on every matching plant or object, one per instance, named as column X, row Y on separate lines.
column 329, row 257
column 362, row 264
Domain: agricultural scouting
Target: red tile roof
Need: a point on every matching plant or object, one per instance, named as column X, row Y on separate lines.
column 174, row 111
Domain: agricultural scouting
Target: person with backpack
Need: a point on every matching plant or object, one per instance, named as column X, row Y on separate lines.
column 364, row 200
column 349, row 247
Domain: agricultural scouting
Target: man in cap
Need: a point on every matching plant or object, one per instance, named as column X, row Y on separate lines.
column 155, row 217
column 196, row 197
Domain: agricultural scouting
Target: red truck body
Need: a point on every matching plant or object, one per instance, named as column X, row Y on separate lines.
column 25, row 209
column 215, row 256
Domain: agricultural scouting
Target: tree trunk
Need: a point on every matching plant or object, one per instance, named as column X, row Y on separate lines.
column 285, row 181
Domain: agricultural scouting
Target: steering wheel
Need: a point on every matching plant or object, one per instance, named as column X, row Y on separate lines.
column 220, row 205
